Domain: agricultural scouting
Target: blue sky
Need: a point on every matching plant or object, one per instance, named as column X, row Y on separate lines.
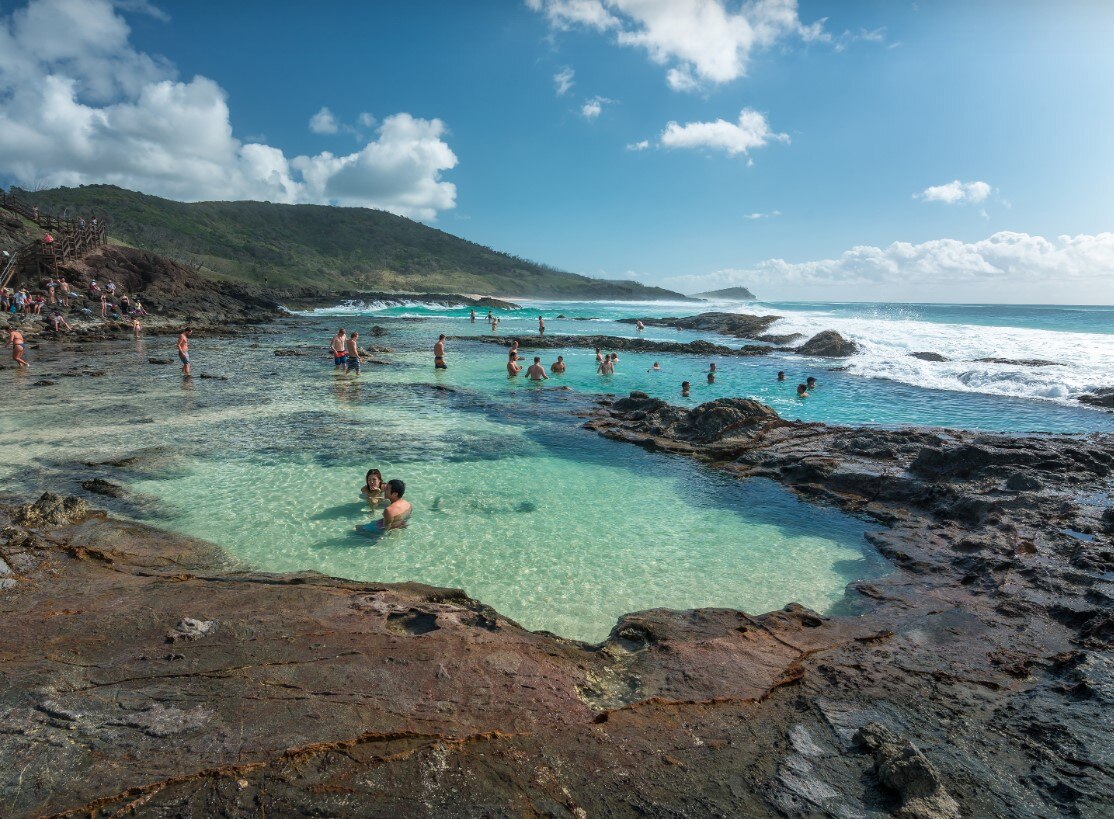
column 974, row 136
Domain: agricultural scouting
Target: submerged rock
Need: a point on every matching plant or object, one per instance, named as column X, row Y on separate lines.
column 1103, row 398
column 929, row 356
column 1021, row 362
column 100, row 486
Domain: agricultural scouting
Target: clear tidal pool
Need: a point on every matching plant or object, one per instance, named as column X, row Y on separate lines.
column 552, row 525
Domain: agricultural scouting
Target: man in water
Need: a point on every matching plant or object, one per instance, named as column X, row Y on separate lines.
column 607, row 366
column 781, row 375
column 685, row 386
column 337, row 345
column 512, row 354
column 397, row 513
column 513, row 367
column 655, row 369
column 536, row 372
column 184, row 350
column 16, row 342
column 439, row 353
column 352, row 354
column 802, row 391
column 810, row 382
column 640, row 326
column 558, row 366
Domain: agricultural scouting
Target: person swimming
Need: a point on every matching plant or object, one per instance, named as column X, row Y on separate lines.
column 607, row 366
column 395, row 516
column 558, row 366
column 781, row 375
column 655, row 369
column 810, row 382
column 536, row 372
column 802, row 391
column 372, row 490
column 685, row 387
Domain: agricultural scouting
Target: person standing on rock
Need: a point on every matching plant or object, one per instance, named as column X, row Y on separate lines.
column 104, row 305
column 184, row 350
column 472, row 316
column 337, row 345
column 541, row 325
column 352, row 354
column 65, row 285
column 439, row 354
column 135, row 326
column 16, row 342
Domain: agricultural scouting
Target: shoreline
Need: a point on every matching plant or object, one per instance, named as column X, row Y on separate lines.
column 783, row 702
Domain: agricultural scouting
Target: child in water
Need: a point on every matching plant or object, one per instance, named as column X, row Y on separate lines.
column 372, row 489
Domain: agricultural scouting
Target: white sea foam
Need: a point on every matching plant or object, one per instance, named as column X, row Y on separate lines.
column 887, row 337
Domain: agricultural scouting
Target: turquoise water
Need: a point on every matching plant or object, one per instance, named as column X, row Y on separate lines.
column 514, row 502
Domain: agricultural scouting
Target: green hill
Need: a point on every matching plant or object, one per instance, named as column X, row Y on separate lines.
column 736, row 293
column 322, row 247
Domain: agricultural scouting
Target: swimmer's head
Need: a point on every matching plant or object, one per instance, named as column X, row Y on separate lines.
column 810, row 382
column 802, row 390
column 439, row 338
column 537, row 359
column 560, row 358
column 395, row 488
column 355, row 335
column 781, row 375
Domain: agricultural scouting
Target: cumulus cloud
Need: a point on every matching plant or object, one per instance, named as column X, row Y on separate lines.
column 701, row 41
column 565, row 14
column 641, row 145
column 323, row 122
column 593, row 107
column 563, row 80
column 79, row 104
column 1083, row 263
column 956, row 193
column 752, row 130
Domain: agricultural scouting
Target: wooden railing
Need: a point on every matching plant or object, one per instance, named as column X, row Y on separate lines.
column 73, row 238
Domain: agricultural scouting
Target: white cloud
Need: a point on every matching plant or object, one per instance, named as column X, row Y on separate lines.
column 751, row 131
column 593, row 107
column 1081, row 264
column 563, row 80
column 564, row 14
column 78, row 105
column 323, row 122
column 641, row 145
column 702, row 41
column 770, row 215
column 956, row 193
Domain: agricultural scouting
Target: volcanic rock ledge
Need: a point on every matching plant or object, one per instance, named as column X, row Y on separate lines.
column 146, row 673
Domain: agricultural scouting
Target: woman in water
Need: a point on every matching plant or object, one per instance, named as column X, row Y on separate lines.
column 372, row 489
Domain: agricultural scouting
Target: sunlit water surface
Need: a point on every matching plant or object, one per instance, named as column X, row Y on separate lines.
column 514, row 502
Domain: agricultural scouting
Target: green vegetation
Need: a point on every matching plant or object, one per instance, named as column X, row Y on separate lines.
column 738, row 293
column 323, row 248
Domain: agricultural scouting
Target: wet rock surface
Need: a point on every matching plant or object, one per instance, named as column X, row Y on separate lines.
column 738, row 325
column 1103, row 398
column 548, row 342
column 828, row 344
column 146, row 674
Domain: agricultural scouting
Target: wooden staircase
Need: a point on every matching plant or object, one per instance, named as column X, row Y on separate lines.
column 72, row 240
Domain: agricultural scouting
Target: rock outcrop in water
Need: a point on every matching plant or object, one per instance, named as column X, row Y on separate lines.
column 144, row 673
column 638, row 345
column 737, row 325
column 828, row 344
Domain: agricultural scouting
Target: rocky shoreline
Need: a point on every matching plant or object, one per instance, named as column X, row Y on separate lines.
column 146, row 673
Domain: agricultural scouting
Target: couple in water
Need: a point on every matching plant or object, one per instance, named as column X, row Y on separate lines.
column 397, row 511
